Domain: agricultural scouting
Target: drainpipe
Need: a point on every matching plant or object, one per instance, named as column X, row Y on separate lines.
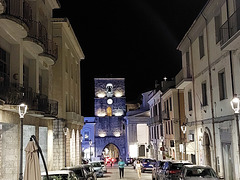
column 194, row 101
column 211, row 95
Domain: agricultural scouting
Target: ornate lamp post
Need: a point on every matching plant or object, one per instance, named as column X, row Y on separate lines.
column 90, row 144
column 22, row 110
column 235, row 103
column 184, row 129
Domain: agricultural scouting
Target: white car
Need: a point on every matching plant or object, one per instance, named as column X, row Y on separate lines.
column 103, row 166
column 198, row 172
column 97, row 168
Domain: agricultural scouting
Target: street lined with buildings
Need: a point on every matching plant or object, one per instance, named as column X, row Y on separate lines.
column 129, row 173
column 193, row 117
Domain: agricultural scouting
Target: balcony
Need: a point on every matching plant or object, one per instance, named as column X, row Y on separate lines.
column 50, row 53
column 181, row 81
column 36, row 38
column 154, row 120
column 13, row 19
column 14, row 94
column 165, row 115
column 230, row 35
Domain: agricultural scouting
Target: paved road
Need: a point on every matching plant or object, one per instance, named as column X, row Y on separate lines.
column 129, row 174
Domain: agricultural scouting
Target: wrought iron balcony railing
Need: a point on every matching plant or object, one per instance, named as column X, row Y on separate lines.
column 230, row 27
column 18, row 11
column 165, row 115
column 50, row 50
column 37, row 32
column 14, row 94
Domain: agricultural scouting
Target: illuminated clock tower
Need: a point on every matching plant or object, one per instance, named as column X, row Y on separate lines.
column 110, row 108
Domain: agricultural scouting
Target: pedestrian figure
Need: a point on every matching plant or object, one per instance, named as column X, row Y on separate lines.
column 139, row 169
column 121, row 165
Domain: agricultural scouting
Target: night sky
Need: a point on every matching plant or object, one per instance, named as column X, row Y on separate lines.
column 131, row 39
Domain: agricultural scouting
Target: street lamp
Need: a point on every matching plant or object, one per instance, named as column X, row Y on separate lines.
column 235, row 103
column 22, row 110
column 184, row 129
column 90, row 144
column 65, row 130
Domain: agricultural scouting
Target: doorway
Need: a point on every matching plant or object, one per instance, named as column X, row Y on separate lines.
column 227, row 160
column 207, row 149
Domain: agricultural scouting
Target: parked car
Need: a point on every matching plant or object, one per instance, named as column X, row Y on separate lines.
column 194, row 172
column 90, row 171
column 81, row 172
column 97, row 168
column 61, row 174
column 129, row 161
column 103, row 166
column 156, row 168
column 147, row 164
column 172, row 170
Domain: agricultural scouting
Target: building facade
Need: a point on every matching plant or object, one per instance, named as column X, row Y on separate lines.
column 88, row 138
column 28, row 55
column 110, row 109
column 137, row 129
column 66, row 87
column 210, row 67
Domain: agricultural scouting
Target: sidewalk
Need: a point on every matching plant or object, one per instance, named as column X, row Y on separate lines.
column 129, row 173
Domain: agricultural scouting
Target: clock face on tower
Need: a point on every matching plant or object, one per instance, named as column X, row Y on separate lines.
column 109, row 101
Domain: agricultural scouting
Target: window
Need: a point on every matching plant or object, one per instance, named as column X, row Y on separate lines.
column 155, row 110
column 172, row 126
column 190, row 100
column 217, row 28
column 161, row 129
column 166, row 127
column 188, row 64
column 222, row 85
column 86, row 136
column 157, row 132
column 204, row 94
column 169, row 127
column 109, row 90
column 4, row 67
column 152, row 132
column 201, row 46
column 170, row 103
column 25, row 76
column 142, row 150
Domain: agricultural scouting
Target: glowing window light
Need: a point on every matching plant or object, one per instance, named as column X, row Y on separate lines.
column 101, row 113
column 118, row 112
column 102, row 134
column 101, row 95
column 117, row 134
column 118, row 94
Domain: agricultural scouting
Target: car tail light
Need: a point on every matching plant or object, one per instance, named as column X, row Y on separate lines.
column 174, row 171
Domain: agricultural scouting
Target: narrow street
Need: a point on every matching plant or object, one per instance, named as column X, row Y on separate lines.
column 129, row 173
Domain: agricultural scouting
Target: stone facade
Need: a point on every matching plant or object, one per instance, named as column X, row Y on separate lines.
column 110, row 123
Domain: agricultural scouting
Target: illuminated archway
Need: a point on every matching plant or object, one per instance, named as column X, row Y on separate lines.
column 111, row 151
